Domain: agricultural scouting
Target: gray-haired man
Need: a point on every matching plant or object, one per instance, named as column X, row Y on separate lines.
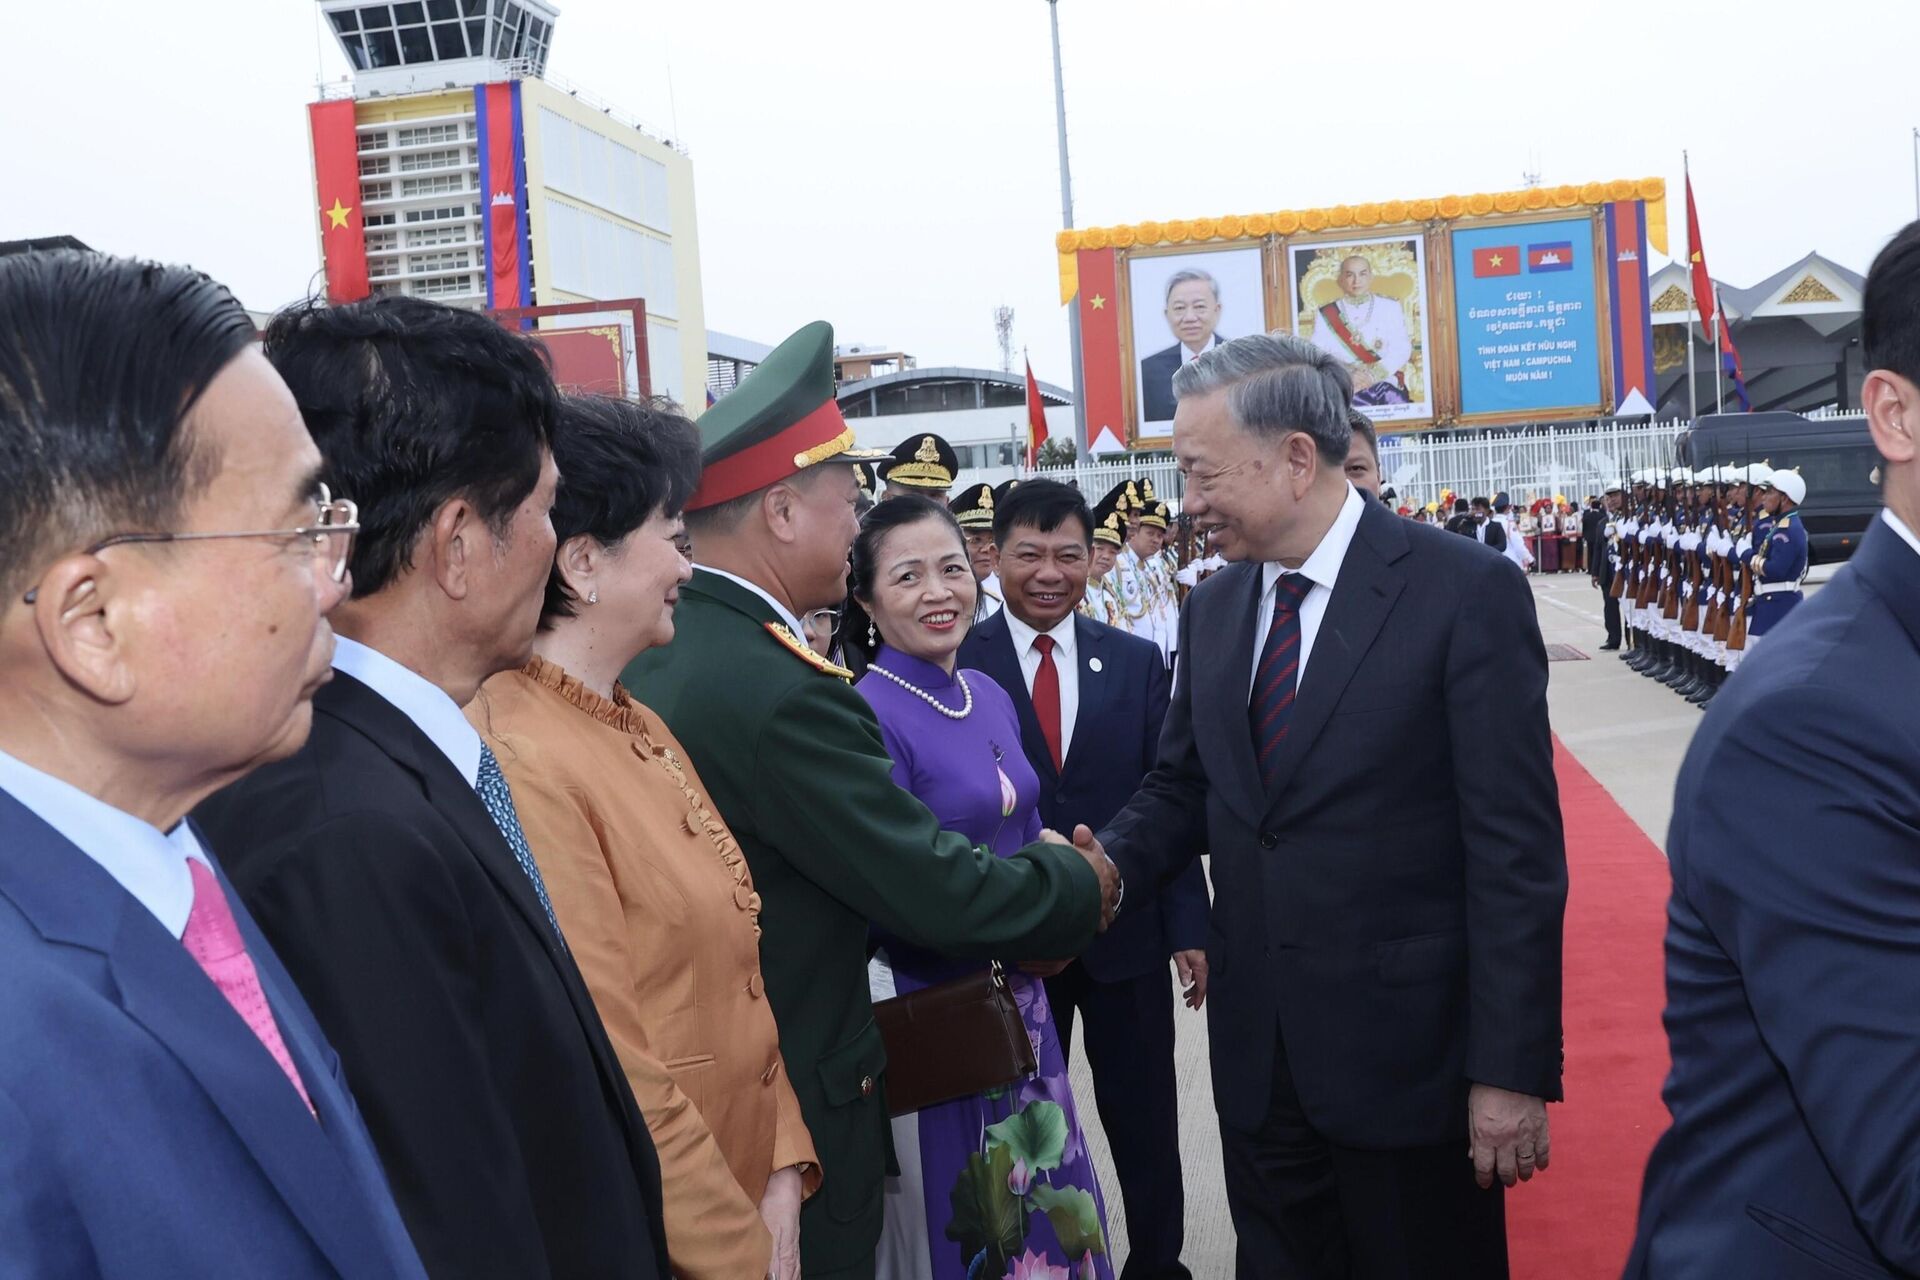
column 1385, row 939
column 1193, row 313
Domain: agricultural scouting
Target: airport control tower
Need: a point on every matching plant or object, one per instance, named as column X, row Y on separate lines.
column 451, row 166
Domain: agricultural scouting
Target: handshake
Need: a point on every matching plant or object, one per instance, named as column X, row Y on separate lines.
column 1112, row 888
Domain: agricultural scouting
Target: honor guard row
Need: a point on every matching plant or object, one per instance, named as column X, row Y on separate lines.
column 1144, row 595
column 974, row 511
column 1703, row 564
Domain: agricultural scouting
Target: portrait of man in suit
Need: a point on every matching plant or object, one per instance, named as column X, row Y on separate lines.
column 1186, row 296
column 1384, row 950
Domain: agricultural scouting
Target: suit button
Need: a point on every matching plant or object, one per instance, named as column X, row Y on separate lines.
column 1268, row 840
column 755, row 986
column 866, row 1086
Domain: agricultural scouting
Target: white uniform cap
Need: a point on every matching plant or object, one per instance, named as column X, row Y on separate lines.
column 1681, row 475
column 1759, row 473
column 1791, row 484
column 1614, row 486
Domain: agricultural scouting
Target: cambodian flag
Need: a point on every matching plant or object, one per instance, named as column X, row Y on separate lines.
column 1557, row 256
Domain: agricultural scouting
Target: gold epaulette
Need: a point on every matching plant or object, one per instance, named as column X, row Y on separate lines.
column 803, row 651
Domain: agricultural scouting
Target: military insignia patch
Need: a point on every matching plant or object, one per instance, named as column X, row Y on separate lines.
column 801, row 650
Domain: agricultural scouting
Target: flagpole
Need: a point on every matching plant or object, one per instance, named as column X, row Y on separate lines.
column 1916, row 172
column 1719, row 318
column 1066, row 223
column 1693, row 394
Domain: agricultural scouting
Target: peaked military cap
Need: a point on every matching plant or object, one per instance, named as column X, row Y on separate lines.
column 1147, row 509
column 974, row 508
column 779, row 421
column 1005, row 487
column 1109, row 525
column 921, row 462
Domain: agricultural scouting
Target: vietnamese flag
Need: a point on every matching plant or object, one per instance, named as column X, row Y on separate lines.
column 1036, row 420
column 1500, row 260
column 336, row 174
column 1703, row 297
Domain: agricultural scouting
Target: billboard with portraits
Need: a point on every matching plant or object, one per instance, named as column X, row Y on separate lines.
column 1364, row 302
column 1458, row 310
column 1180, row 305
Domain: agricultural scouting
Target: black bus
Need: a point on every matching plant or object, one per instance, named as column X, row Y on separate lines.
column 1835, row 456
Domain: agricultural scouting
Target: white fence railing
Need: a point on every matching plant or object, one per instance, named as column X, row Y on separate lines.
column 1570, row 460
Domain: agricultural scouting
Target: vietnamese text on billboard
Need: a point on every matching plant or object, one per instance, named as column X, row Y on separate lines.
column 1526, row 317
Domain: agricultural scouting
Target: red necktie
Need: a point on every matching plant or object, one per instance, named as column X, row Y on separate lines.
column 1046, row 698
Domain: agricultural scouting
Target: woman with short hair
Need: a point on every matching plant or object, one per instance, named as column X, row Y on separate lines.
column 652, row 893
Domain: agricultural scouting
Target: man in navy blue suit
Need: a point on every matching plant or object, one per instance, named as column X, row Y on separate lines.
column 1793, row 935
column 168, row 1106
column 1091, row 700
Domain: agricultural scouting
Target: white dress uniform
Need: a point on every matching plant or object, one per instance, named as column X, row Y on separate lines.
column 1379, row 323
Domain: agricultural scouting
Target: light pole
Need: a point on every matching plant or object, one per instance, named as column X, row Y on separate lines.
column 1066, row 224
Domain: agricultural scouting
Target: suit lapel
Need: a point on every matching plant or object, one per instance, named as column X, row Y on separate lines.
column 72, row 900
column 999, row 659
column 1089, row 646
column 460, row 805
column 1221, row 690
column 1362, row 598
column 389, row 730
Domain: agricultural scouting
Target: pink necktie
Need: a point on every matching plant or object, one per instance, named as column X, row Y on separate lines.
column 213, row 940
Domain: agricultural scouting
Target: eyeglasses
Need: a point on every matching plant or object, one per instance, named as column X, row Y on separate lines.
column 331, row 539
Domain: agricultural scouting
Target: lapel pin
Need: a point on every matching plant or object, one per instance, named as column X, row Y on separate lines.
column 1093, row 664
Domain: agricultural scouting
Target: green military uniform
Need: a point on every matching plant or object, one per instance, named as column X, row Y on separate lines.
column 793, row 760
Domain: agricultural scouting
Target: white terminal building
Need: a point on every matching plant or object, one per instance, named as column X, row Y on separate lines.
column 608, row 202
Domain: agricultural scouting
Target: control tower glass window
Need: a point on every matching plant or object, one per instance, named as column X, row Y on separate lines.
column 417, row 32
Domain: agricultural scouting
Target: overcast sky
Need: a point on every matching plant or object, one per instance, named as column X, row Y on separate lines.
column 892, row 167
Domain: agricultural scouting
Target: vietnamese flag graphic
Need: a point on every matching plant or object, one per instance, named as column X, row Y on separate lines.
column 1100, row 345
column 1036, row 420
column 1557, row 256
column 1703, row 299
column 336, row 175
column 1500, row 260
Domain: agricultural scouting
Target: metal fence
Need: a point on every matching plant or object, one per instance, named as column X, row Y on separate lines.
column 1570, row 460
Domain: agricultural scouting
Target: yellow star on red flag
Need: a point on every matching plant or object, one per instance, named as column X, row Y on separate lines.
column 1494, row 259
column 337, row 216
column 1099, row 303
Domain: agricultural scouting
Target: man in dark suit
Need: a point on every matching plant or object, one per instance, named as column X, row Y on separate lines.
column 1793, row 936
column 385, row 860
column 1193, row 314
column 1601, row 527
column 168, row 1106
column 1092, row 700
column 1386, row 930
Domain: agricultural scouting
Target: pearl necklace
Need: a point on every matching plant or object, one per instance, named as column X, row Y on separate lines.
column 928, row 698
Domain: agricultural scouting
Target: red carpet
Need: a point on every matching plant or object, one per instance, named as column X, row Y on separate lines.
column 1575, row 1222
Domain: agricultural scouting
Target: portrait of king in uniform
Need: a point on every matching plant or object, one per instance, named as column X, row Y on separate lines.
column 1364, row 304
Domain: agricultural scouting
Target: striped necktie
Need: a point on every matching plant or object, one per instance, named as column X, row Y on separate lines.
column 1270, row 708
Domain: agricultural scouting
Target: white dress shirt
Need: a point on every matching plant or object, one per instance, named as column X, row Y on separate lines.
column 1322, row 569
column 786, row 614
column 1898, row 525
column 148, row 863
column 1064, row 661
column 418, row 699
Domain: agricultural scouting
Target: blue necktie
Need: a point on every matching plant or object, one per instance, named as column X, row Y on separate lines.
column 1275, row 680
column 494, row 793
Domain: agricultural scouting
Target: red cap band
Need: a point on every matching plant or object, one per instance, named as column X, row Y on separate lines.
column 775, row 458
